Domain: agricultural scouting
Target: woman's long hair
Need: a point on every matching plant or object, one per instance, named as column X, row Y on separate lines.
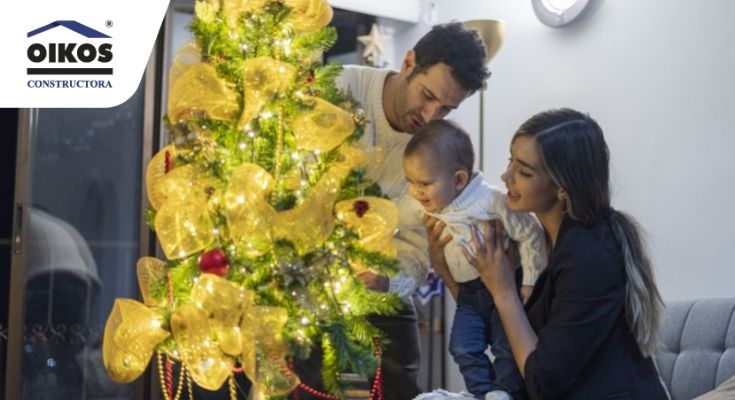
column 574, row 153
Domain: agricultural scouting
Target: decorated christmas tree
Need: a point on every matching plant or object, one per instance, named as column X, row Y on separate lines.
column 263, row 210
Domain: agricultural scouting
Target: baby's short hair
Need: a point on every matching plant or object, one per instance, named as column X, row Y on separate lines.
column 449, row 144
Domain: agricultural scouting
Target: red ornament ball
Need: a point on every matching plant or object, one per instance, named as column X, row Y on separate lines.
column 360, row 207
column 213, row 262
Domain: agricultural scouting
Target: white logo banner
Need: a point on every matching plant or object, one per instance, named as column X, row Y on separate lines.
column 76, row 53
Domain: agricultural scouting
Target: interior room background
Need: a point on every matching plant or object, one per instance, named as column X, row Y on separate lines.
column 657, row 75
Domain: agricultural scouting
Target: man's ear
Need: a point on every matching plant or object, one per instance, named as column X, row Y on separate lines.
column 409, row 63
column 461, row 179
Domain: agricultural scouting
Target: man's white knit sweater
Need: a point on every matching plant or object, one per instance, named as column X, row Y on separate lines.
column 480, row 201
column 366, row 86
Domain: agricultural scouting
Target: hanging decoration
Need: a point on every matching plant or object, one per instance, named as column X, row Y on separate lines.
column 374, row 46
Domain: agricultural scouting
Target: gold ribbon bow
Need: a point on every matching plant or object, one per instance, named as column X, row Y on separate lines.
column 180, row 197
column 263, row 77
column 375, row 220
column 309, row 15
column 254, row 223
column 132, row 332
column 217, row 325
column 233, row 9
column 323, row 127
column 198, row 87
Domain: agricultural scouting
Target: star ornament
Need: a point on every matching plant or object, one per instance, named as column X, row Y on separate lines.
column 373, row 43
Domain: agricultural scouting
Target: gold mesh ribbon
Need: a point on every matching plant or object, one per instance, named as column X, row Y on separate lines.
column 254, row 223
column 184, row 228
column 177, row 186
column 132, row 332
column 194, row 85
column 206, row 330
column 180, row 197
column 182, row 222
column 188, row 55
column 249, row 216
column 217, row 324
column 375, row 220
column 309, row 15
column 149, row 271
column 155, row 173
column 206, row 10
column 323, row 127
column 310, row 223
column 263, row 78
column 233, row 9
column 262, row 334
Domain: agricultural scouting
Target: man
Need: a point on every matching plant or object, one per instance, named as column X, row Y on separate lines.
column 445, row 67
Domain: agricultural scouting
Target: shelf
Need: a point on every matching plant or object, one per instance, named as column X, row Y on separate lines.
column 404, row 10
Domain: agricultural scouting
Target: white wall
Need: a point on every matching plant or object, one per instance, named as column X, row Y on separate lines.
column 659, row 77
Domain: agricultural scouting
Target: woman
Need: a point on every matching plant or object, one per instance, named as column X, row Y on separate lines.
column 590, row 326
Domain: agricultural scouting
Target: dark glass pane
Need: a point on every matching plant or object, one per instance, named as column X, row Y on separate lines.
column 83, row 241
column 8, row 142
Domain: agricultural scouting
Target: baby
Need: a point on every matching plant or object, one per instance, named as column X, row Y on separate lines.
column 438, row 163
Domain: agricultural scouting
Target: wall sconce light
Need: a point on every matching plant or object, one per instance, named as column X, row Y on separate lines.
column 492, row 33
column 557, row 13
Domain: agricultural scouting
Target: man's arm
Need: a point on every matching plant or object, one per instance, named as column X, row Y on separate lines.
column 411, row 245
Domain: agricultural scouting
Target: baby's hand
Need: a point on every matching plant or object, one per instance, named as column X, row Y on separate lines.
column 526, row 291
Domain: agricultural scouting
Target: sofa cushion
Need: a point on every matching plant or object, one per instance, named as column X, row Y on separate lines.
column 698, row 346
column 726, row 391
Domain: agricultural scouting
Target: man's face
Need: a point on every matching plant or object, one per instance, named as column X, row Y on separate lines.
column 425, row 96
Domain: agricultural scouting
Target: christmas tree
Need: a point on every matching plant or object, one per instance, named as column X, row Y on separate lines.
column 263, row 209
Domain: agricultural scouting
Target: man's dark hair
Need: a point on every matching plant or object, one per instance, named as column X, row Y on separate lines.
column 459, row 48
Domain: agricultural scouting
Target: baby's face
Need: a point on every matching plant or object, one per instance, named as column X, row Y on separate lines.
column 433, row 186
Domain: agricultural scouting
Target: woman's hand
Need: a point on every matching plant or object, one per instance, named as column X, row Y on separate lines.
column 434, row 229
column 498, row 276
column 526, row 291
column 491, row 261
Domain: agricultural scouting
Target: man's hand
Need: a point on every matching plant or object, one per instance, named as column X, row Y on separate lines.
column 378, row 283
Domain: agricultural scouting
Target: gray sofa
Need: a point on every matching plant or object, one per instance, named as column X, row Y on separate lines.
column 698, row 346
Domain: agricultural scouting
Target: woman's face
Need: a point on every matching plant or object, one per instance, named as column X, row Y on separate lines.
column 530, row 188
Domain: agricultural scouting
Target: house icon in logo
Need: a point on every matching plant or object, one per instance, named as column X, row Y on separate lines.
column 75, row 26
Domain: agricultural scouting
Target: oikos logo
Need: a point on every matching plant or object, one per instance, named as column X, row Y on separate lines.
column 88, row 56
column 85, row 52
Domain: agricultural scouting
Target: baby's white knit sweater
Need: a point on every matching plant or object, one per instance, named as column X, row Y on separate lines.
column 480, row 201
